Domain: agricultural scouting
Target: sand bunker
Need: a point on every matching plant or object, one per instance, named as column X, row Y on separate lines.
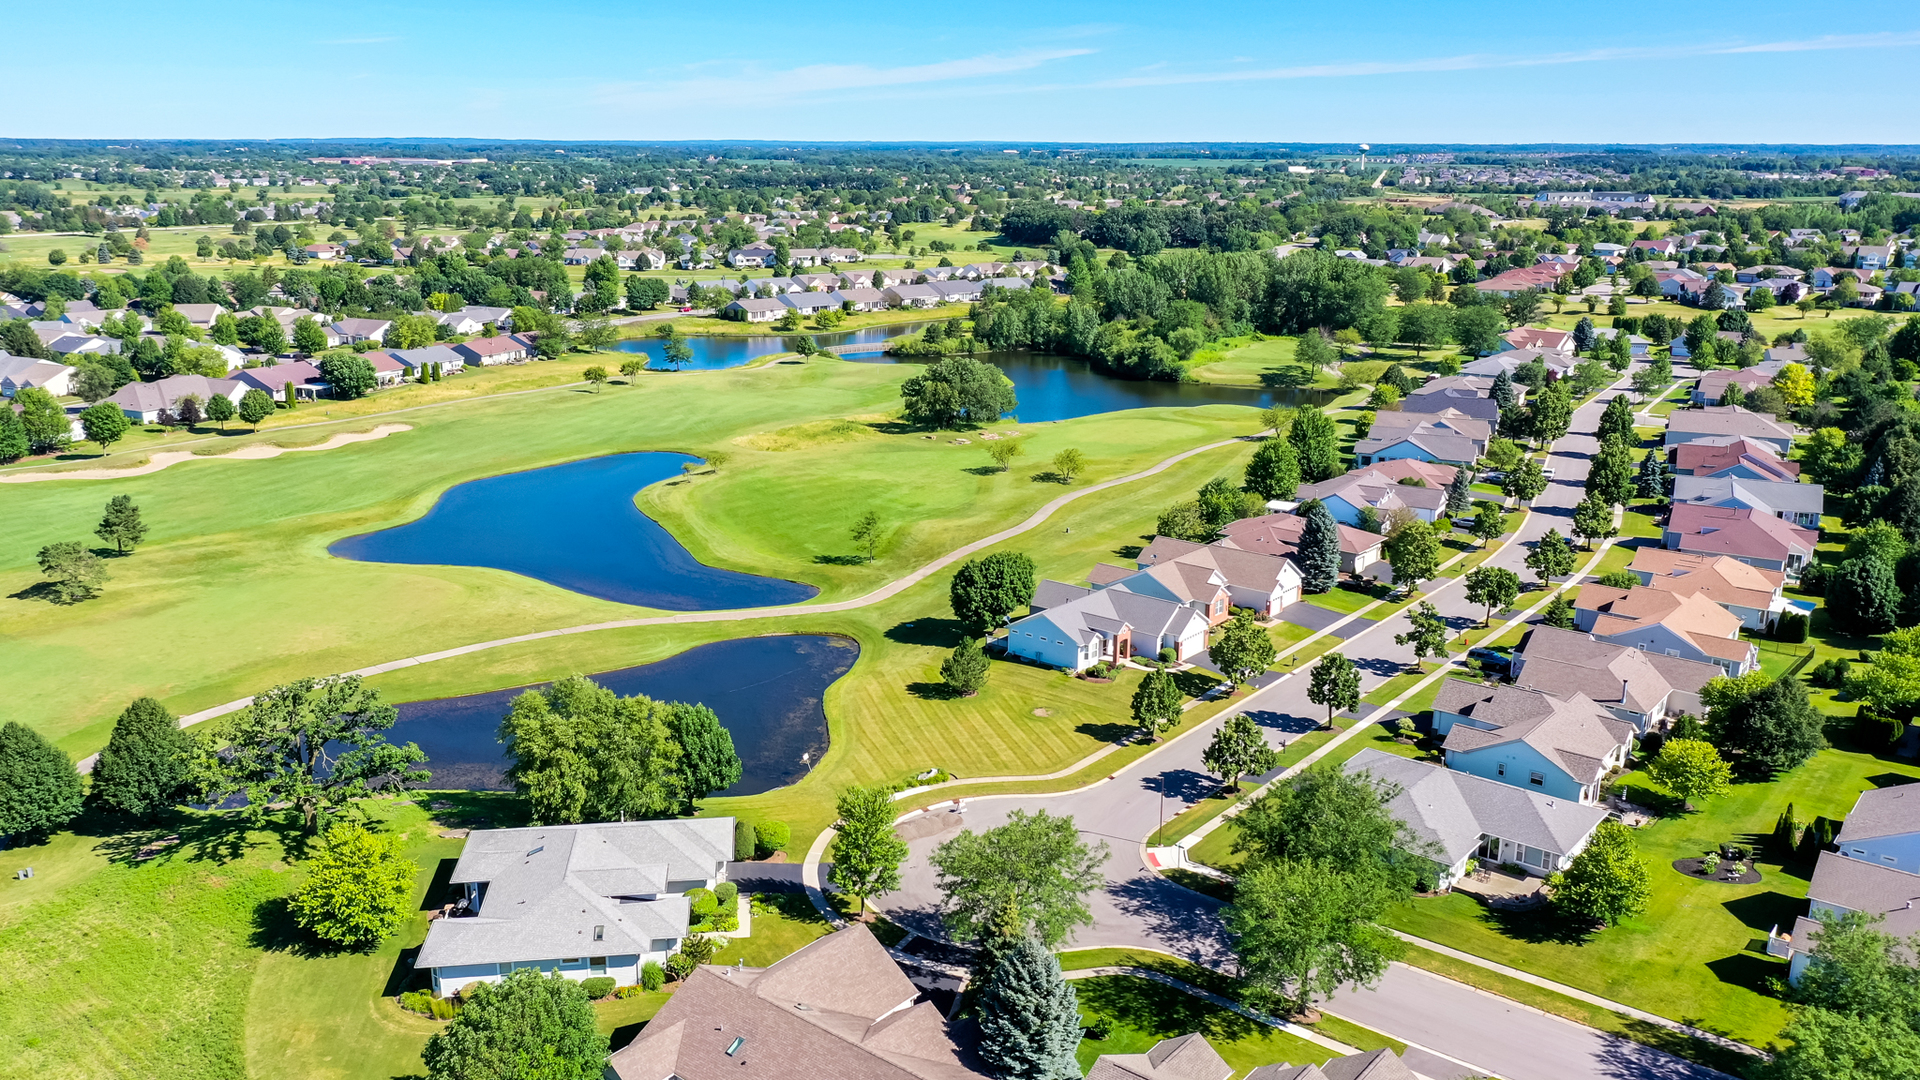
column 250, row 452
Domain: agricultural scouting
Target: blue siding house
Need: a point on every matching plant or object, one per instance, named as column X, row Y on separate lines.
column 1530, row 739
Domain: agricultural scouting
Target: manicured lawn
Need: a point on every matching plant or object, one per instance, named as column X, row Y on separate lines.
column 1140, row 1012
column 1392, row 688
column 1253, row 361
column 1697, row 955
column 1345, row 601
column 186, row 965
column 782, row 924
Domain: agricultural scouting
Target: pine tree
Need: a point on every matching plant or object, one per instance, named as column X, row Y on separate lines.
column 13, row 436
column 1648, row 481
column 1459, row 494
column 1029, row 1016
column 1503, row 390
column 1558, row 612
column 39, row 789
column 1583, row 334
column 965, row 669
column 1319, row 551
column 121, row 526
column 147, row 764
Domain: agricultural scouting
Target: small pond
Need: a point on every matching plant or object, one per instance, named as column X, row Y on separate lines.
column 575, row 526
column 768, row 692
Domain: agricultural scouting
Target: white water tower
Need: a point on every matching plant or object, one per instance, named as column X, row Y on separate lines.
column 1363, row 154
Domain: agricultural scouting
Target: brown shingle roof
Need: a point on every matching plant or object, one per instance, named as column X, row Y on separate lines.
column 1279, row 534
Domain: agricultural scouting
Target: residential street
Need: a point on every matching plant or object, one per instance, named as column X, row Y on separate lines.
column 1140, row 908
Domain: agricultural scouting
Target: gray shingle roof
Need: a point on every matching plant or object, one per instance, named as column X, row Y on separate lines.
column 1188, row 1057
column 1888, row 811
column 1567, row 661
column 1572, row 731
column 1792, row 498
column 1454, row 809
column 549, row 888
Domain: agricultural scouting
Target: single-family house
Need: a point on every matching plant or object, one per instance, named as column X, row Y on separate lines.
column 582, row 900
column 1872, row 257
column 1639, row 687
column 1561, row 744
column 1279, row 534
column 913, row 296
column 756, row 309
column 355, row 331
column 18, row 373
column 1189, row 1057
column 958, row 291
column 308, row 383
column 1755, row 596
column 1195, row 584
column 1826, row 277
column 386, row 370
column 1074, row 628
column 1522, row 279
column 1255, row 580
column 200, row 316
column 838, row 1009
column 144, row 402
column 1461, row 817
column 807, row 303
column 1557, row 363
column 1461, row 399
column 71, row 344
column 1536, row 337
column 861, row 298
column 1449, row 437
column 1345, row 496
column 817, row 282
column 1841, row 885
column 1725, row 455
column 1747, row 275
column 1664, row 248
column 499, row 349
column 1637, row 346
column 752, row 255
column 1686, row 425
column 1711, row 387
column 415, row 360
column 1689, row 626
column 1412, row 1063
column 1801, row 504
column 325, row 252
column 456, row 322
column 1757, row 539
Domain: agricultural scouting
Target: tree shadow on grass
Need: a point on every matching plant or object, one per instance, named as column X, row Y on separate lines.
column 1749, row 971
column 45, row 590
column 932, row 691
column 1195, row 681
column 216, row 839
column 1109, row 733
column 1128, row 551
column 1538, row 926
column 1767, row 910
column 840, row 560
column 985, row 470
column 440, row 886
column 930, row 632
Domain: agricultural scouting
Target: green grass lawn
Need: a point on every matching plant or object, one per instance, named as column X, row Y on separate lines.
column 1251, row 361
column 1346, row 601
column 782, row 924
column 1140, row 1012
column 186, row 965
column 1697, row 955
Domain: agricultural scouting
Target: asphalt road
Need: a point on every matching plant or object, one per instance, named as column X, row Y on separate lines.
column 1139, row 908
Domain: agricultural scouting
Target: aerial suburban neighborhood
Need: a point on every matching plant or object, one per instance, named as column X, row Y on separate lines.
column 582, row 597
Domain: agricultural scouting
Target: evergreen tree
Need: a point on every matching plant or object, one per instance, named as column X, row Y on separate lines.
column 1274, row 472
column 1459, row 494
column 1771, row 729
column 1865, row 595
column 1558, row 613
column 1502, row 391
column 1651, row 482
column 1583, row 334
column 1319, row 551
column 965, row 669
column 1029, row 1017
column 39, row 789
column 122, row 526
column 1316, row 443
column 147, row 765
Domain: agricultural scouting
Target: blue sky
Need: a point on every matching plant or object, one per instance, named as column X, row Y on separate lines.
column 1378, row 71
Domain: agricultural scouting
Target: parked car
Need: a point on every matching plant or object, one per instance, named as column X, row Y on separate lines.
column 1492, row 660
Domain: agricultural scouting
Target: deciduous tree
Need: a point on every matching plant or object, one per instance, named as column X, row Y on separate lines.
column 1244, row 649
column 579, row 752
column 1690, row 769
column 147, row 765
column 104, row 423
column 956, row 392
column 987, row 591
column 314, row 743
column 1035, row 868
column 357, row 890
column 866, row 532
column 526, row 1025
column 1593, row 520
column 1524, row 481
column 255, row 405
column 39, row 789
column 1426, row 633
column 1238, row 749
column 1303, row 929
column 1608, row 881
column 73, row 573
column 866, row 854
column 1413, row 552
column 1335, row 683
column 1068, row 464
column 1156, row 703
column 1551, row 557
column 1767, row 726
column 1274, row 471
column 1492, row 587
column 707, row 761
column 1316, row 445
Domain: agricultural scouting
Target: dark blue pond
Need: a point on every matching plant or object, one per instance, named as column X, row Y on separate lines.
column 575, row 526
column 710, row 353
column 767, row 691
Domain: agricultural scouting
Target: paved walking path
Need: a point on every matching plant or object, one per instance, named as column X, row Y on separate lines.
column 885, row 592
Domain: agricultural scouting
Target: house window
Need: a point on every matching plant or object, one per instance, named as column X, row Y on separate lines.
column 1536, row 779
column 598, row 964
column 600, row 933
column 1500, row 769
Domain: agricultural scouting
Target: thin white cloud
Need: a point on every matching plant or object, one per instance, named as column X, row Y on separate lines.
column 1481, row 61
column 755, row 84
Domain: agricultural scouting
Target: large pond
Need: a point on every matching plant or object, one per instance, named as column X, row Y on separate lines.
column 767, row 691
column 1048, row 387
column 575, row 526
column 710, row 353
